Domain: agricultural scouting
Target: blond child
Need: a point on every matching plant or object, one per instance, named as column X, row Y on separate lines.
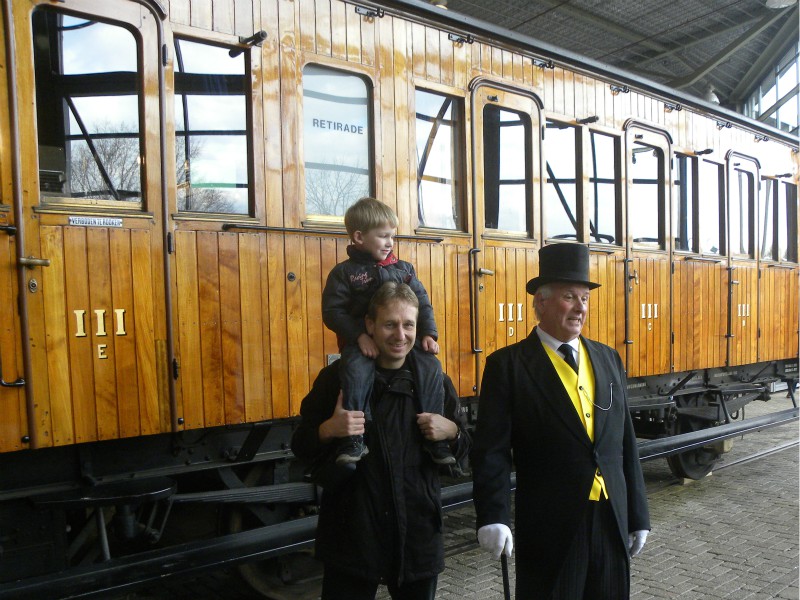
column 371, row 226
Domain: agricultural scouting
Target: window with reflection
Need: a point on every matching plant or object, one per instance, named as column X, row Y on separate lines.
column 778, row 218
column 337, row 130
column 767, row 241
column 685, row 197
column 438, row 132
column 211, row 117
column 742, row 192
column 604, row 192
column 88, row 93
column 787, row 222
column 561, row 189
column 508, row 194
column 645, row 217
column 710, row 219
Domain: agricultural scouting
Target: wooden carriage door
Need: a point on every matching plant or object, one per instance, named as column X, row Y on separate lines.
column 91, row 230
column 506, row 129
column 648, row 330
column 778, row 274
column 742, row 182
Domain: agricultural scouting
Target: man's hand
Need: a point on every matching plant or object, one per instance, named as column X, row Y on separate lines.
column 496, row 539
column 636, row 541
column 367, row 346
column 342, row 423
column 429, row 344
column 435, row 427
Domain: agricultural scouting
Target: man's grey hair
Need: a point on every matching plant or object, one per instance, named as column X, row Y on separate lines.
column 543, row 293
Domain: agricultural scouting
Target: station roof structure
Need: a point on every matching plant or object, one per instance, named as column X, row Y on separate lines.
column 715, row 50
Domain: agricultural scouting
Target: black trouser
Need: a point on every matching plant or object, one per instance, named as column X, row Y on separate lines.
column 596, row 566
column 337, row 585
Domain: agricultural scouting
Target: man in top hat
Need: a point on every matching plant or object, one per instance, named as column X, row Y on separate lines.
column 555, row 405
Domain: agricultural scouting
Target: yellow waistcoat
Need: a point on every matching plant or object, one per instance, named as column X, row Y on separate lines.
column 580, row 388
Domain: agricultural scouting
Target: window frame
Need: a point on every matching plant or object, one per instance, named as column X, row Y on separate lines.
column 56, row 202
column 315, row 220
column 459, row 169
column 248, row 93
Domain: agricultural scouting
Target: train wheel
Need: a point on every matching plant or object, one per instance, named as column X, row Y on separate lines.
column 295, row 576
column 697, row 463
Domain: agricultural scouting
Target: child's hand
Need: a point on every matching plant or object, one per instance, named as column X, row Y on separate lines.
column 367, row 346
column 429, row 344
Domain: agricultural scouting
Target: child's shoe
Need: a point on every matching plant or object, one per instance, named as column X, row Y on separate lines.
column 440, row 452
column 350, row 450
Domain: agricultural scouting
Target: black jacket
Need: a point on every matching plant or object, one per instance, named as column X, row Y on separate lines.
column 386, row 522
column 352, row 283
column 526, row 415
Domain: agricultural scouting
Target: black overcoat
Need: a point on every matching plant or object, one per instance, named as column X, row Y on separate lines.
column 386, row 520
column 526, row 412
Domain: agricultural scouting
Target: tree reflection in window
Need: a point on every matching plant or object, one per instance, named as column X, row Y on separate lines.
column 87, row 99
column 211, row 129
column 336, row 135
column 438, row 125
column 507, row 170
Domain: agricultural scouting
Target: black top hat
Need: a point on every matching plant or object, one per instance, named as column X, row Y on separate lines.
column 567, row 263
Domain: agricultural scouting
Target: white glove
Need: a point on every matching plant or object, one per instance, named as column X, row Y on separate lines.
column 636, row 541
column 496, row 539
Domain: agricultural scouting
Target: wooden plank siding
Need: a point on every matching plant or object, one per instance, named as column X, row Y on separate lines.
column 778, row 314
column 699, row 314
column 649, row 316
column 13, row 416
column 248, row 333
column 744, row 317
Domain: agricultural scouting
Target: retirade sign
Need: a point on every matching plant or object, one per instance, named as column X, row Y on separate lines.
column 337, row 126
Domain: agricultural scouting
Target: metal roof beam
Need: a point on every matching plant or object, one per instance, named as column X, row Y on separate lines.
column 767, row 60
column 765, row 23
column 686, row 45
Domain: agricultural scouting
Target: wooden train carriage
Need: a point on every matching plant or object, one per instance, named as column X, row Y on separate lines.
column 173, row 182
column 176, row 184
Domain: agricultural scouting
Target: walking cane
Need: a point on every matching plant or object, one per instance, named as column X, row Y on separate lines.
column 506, row 586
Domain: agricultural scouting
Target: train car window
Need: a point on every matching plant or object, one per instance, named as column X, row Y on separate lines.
column 561, row 190
column 787, row 222
column 88, row 94
column 604, row 192
column 778, row 218
column 644, row 213
column 740, row 211
column 336, row 141
column 439, row 127
column 710, row 215
column 211, row 141
column 508, row 193
column 767, row 239
column 685, row 198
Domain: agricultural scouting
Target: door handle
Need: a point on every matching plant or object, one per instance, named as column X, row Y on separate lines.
column 31, row 262
column 488, row 272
